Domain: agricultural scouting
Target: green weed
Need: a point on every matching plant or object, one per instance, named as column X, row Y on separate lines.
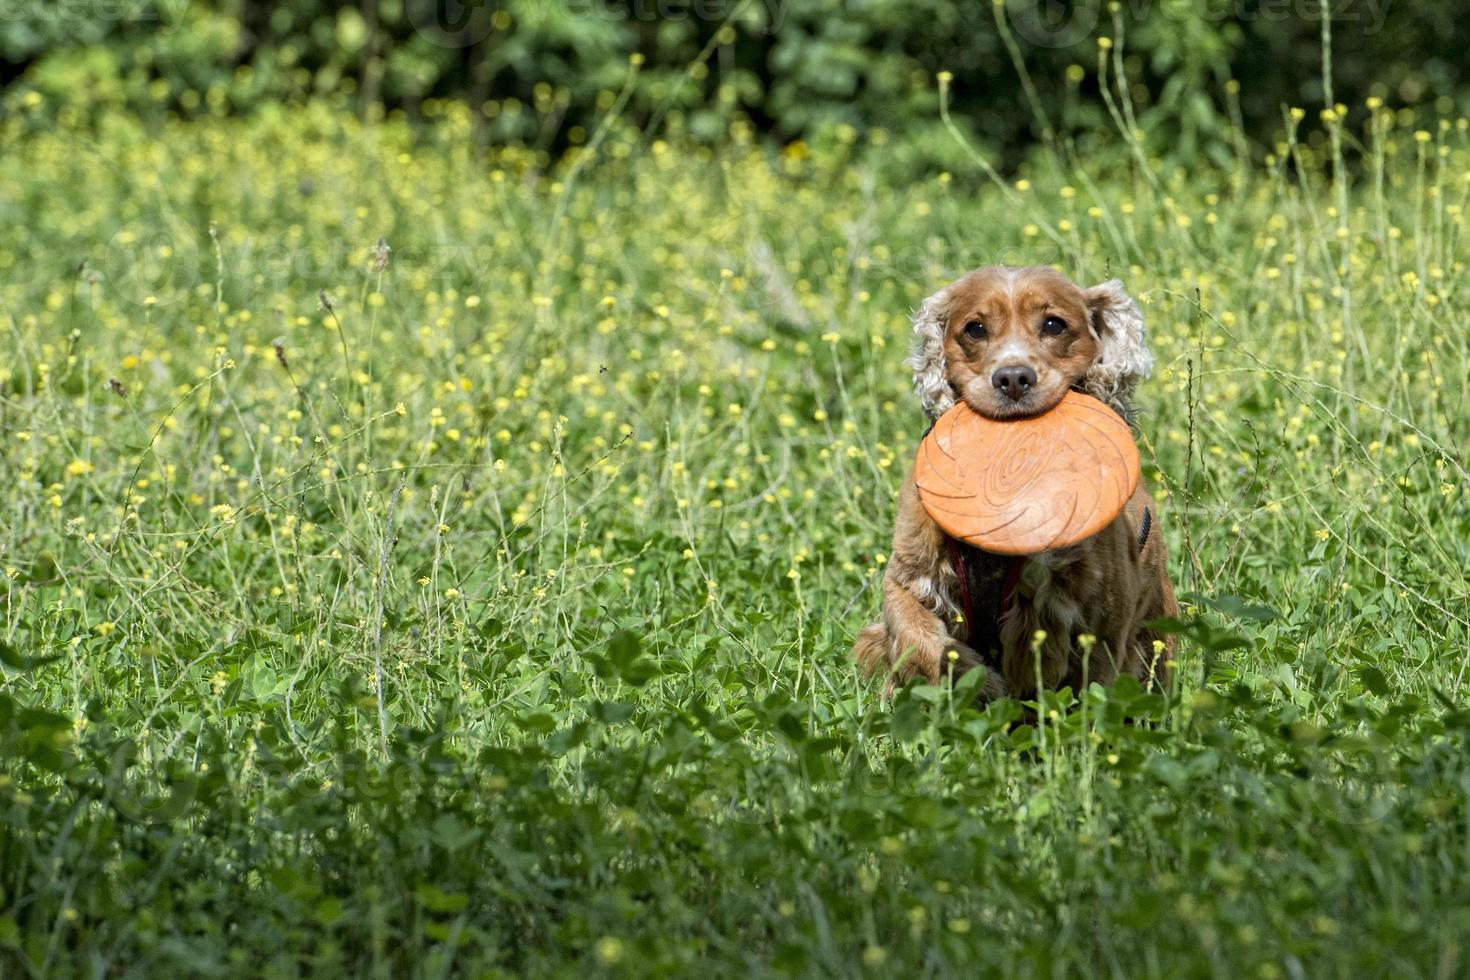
column 421, row 563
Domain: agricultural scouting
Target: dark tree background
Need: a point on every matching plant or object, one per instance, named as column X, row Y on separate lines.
column 545, row 72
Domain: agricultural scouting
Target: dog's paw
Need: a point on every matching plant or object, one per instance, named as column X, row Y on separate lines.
column 992, row 688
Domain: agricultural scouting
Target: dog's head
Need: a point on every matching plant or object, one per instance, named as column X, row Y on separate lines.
column 1012, row 341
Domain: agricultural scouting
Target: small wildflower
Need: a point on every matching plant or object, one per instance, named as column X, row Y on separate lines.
column 609, row 951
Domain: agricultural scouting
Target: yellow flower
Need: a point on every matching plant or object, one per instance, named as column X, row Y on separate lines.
column 609, row 950
column 78, row 467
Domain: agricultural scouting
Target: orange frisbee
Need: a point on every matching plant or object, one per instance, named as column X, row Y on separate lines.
column 1023, row 486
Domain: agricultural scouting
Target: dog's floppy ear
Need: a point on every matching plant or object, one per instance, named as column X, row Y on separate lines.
column 1123, row 357
column 927, row 357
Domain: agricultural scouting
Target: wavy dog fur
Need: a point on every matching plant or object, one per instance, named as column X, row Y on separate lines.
column 1123, row 358
column 1106, row 587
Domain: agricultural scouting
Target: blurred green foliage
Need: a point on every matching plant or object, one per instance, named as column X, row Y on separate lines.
column 481, row 605
column 546, row 73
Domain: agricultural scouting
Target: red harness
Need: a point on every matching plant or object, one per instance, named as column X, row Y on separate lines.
column 960, row 565
column 962, row 576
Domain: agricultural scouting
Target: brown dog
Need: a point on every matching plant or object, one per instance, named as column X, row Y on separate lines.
column 1011, row 342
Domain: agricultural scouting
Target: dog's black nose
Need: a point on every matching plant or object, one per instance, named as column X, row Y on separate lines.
column 1014, row 381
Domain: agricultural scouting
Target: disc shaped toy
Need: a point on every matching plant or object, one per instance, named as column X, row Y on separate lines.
column 1023, row 486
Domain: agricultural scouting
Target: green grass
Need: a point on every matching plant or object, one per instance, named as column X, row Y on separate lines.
column 495, row 616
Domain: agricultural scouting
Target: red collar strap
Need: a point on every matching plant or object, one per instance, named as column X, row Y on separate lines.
column 975, row 626
column 967, row 601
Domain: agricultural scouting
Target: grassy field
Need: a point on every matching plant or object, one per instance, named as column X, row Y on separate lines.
column 421, row 561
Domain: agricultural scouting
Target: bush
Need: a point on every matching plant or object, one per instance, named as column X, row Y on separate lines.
column 547, row 74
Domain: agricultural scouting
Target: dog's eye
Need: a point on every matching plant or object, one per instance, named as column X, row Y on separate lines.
column 1053, row 326
column 975, row 330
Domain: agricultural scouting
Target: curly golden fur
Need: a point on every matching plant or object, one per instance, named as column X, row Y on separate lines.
column 1011, row 342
